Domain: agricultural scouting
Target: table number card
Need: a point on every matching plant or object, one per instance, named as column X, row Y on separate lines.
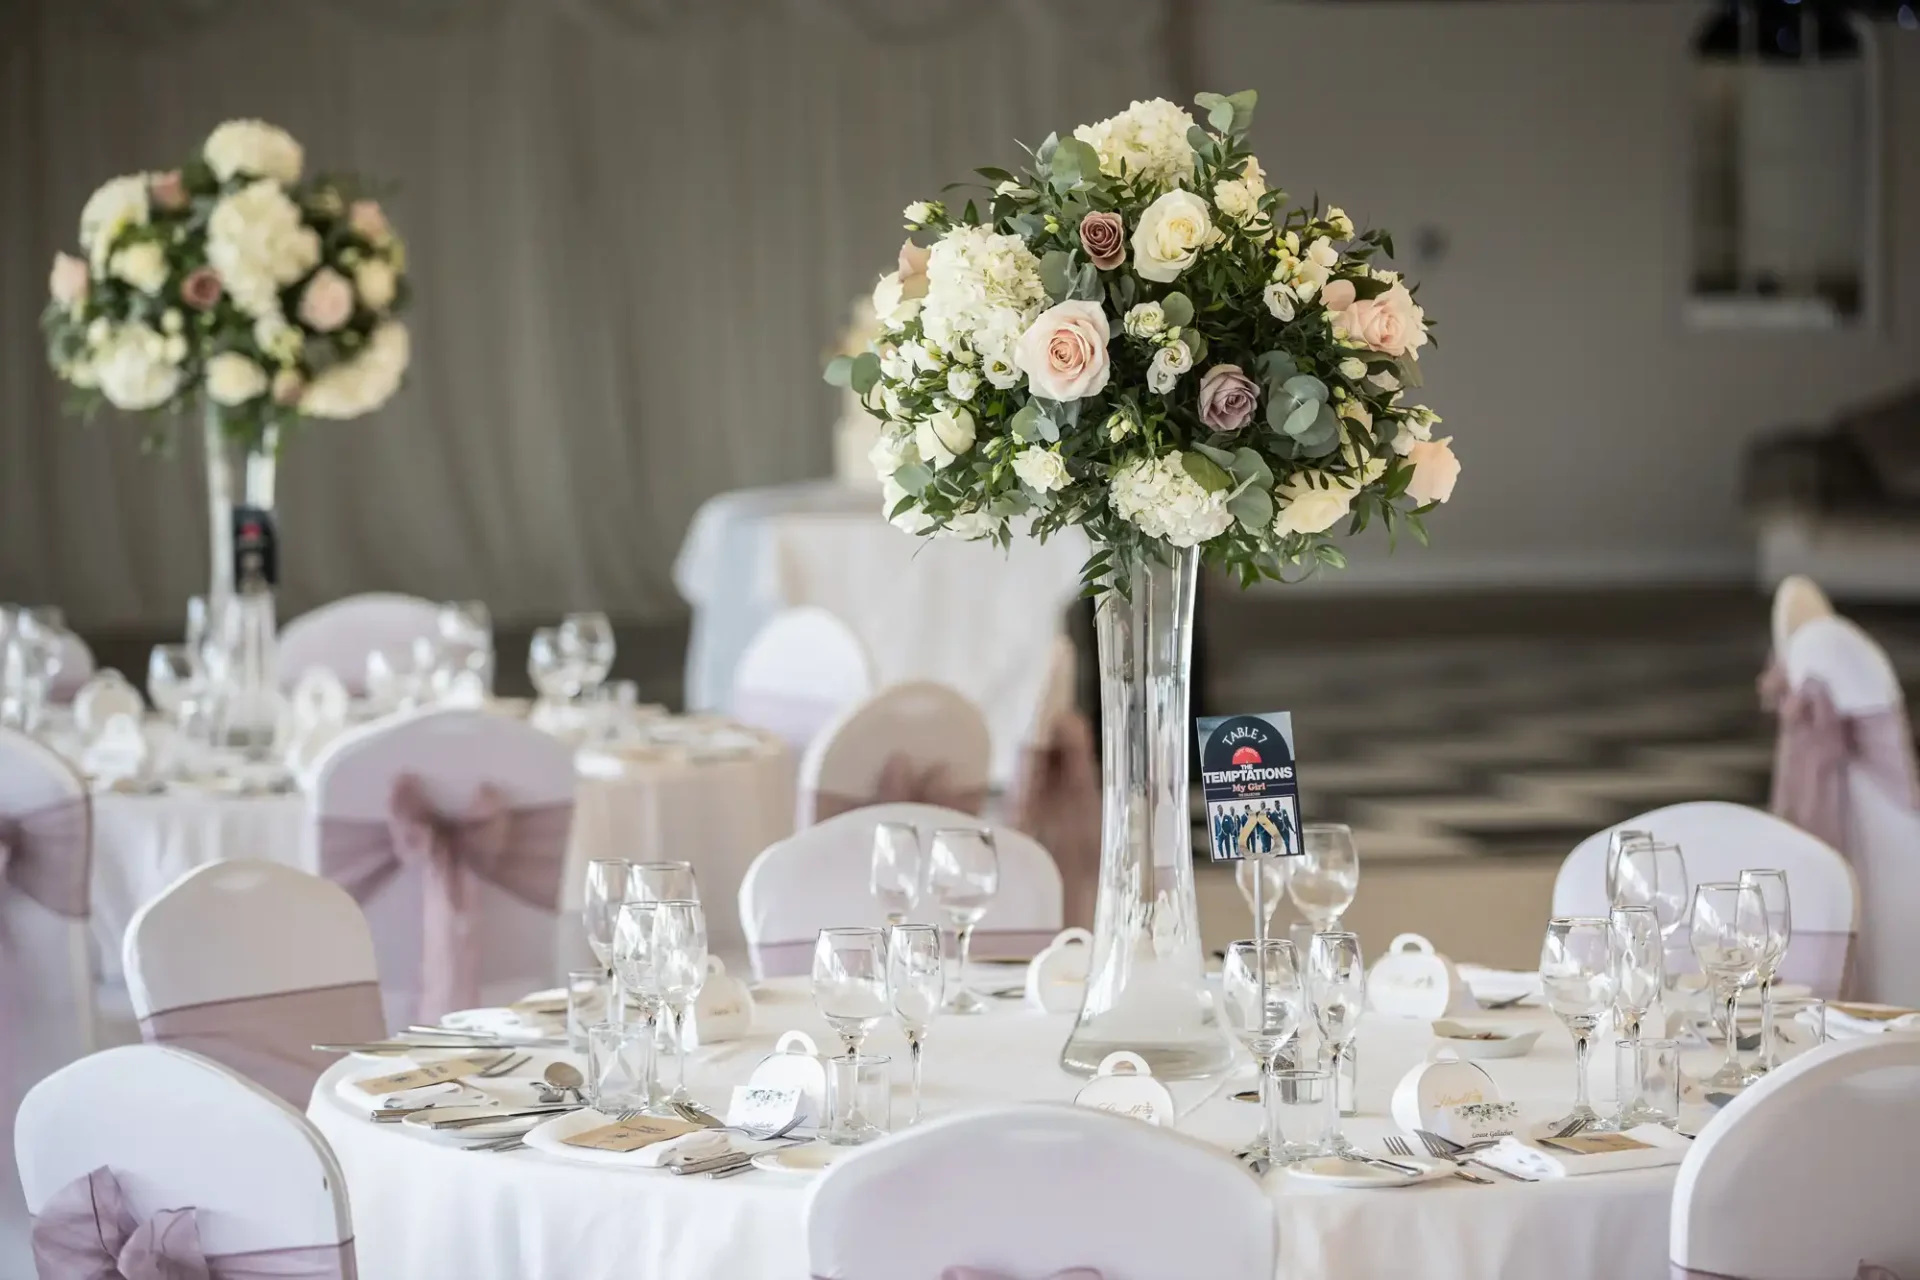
column 1252, row 794
column 416, row 1077
column 630, row 1135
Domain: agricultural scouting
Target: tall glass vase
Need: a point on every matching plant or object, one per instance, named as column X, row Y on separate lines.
column 244, row 702
column 1146, row 987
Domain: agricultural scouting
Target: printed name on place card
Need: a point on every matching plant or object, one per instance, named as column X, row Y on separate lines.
column 431, row 1073
column 1593, row 1144
column 630, row 1135
column 764, row 1108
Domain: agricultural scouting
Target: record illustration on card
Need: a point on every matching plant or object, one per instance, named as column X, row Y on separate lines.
column 1248, row 779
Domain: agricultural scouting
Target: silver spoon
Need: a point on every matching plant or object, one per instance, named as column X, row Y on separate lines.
column 564, row 1078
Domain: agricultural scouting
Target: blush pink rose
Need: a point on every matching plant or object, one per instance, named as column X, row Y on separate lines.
column 327, row 302
column 201, row 289
column 1338, row 295
column 1228, row 398
column 1104, row 236
column 1391, row 323
column 68, row 280
column 1064, row 352
column 167, row 190
column 287, row 386
column 1434, row 471
column 369, row 220
column 913, row 270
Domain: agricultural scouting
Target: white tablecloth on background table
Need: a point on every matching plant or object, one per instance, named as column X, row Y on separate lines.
column 429, row 1211
column 967, row 614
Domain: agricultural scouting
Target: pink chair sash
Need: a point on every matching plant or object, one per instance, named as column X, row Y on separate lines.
column 981, row 1273
column 903, row 780
column 791, row 959
column 522, row 851
column 1817, row 745
column 45, row 853
column 268, row 1039
column 1057, row 802
column 1867, row 1271
column 1823, row 961
column 794, row 718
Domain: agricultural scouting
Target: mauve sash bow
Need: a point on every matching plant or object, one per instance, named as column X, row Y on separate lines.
column 981, row 1273
column 1817, row 744
column 44, row 854
column 903, row 780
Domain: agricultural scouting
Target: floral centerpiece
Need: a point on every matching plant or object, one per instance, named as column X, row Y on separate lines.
column 1137, row 335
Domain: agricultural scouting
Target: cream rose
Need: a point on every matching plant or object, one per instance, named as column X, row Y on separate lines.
column 1391, row 323
column 944, row 437
column 1170, row 236
column 1064, row 351
column 142, row 264
column 1434, row 471
column 376, row 284
column 1169, row 362
column 234, row 379
column 1042, row 470
column 1311, row 507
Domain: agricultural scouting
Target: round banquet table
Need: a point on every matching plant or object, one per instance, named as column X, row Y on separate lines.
column 426, row 1209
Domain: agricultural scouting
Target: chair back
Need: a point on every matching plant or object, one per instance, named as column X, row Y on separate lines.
column 1056, row 792
column 1720, row 840
column 920, row 742
column 501, row 794
column 1835, row 1135
column 819, row 878
column 1796, row 601
column 251, row 963
column 175, row 1130
column 340, row 635
column 1062, row 1187
column 798, row 674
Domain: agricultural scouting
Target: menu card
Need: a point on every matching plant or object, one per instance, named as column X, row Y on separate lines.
column 431, row 1073
column 630, row 1135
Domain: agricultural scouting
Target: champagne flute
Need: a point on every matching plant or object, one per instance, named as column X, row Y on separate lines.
column 680, row 951
column 963, row 873
column 916, row 981
column 1576, row 975
column 896, row 874
column 1730, row 937
column 1261, row 999
column 1326, row 874
column 850, row 982
column 1772, row 885
column 1337, row 992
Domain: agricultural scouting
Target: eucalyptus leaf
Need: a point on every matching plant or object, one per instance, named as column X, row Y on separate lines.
column 1049, row 430
column 840, row 371
column 1055, row 267
column 1196, row 344
column 1249, row 465
column 1301, row 420
column 1304, row 386
column 1198, row 139
column 1280, row 407
column 995, row 175
column 1221, row 456
column 1219, row 111
column 1063, row 412
column 1243, row 104
column 914, row 477
column 1086, row 283
column 864, row 373
column 1207, row 473
column 1274, row 367
column 1043, row 154
column 1252, row 507
column 1178, row 308
column 1026, row 423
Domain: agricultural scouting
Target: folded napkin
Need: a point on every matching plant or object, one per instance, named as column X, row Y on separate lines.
column 1842, row 1025
column 1526, row 1160
column 1499, row 984
column 685, row 1149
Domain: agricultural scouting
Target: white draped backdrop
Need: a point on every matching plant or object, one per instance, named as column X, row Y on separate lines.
column 635, row 226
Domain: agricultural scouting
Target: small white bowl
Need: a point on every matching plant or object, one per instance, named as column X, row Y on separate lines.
column 1484, row 1039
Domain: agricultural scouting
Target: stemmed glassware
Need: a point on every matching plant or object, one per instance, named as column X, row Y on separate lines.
column 680, row 970
column 550, row 668
column 1337, row 993
column 466, row 636
column 636, row 967
column 1576, row 974
column 606, row 892
column 661, row 882
column 1653, row 873
column 1772, row 885
column 1326, row 873
column 173, row 678
column 898, row 869
column 586, row 641
column 963, row 875
column 1260, row 986
column 1730, row 937
column 1273, row 886
column 1636, row 958
column 850, row 983
column 916, row 981
column 1620, row 838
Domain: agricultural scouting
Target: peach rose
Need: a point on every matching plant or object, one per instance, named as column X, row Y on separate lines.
column 1434, row 471
column 369, row 220
column 1391, row 323
column 287, row 386
column 1104, row 236
column 201, row 289
column 1338, row 295
column 913, row 270
column 327, row 301
column 68, row 281
column 1228, row 398
column 167, row 190
column 1064, row 352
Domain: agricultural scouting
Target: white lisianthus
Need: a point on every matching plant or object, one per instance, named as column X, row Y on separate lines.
column 967, row 526
column 1147, row 141
column 376, row 284
column 1014, row 189
column 996, row 345
column 1120, row 425
column 258, row 244
column 1042, row 470
column 926, row 357
column 891, row 404
column 142, row 264
column 1145, row 320
column 1372, row 470
column 1384, row 380
column 1279, row 300
column 918, row 214
column 1172, row 232
column 1352, row 368
column 894, row 363
column 1158, row 497
column 1416, row 427
column 234, row 379
column 1338, row 222
column 119, row 203
column 913, row 519
column 1312, row 502
column 944, row 437
column 253, row 147
column 980, row 282
column 891, row 451
column 364, row 383
column 1169, row 362
column 130, row 363
column 1316, row 266
column 962, row 383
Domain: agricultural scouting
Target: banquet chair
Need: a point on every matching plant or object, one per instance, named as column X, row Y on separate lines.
column 145, row 1149
column 251, row 963
column 800, row 671
column 1844, row 770
column 1056, row 792
column 450, row 827
column 917, row 741
column 1719, row 840
column 819, row 879
column 340, row 635
column 1835, row 1136
column 1039, row 1190
column 1797, row 601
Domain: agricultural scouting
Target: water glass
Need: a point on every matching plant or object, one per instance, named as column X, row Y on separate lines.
column 661, row 882
column 1337, row 994
column 1772, row 885
column 605, row 892
column 1730, row 938
column 1261, row 1000
column 173, row 676
column 1301, row 1114
column 680, row 970
column 850, row 982
column 1646, row 1077
column 916, row 981
column 636, row 974
column 898, row 870
column 1272, row 874
column 1576, row 975
column 619, row 1066
column 1326, row 874
column 587, row 1005
column 859, row 1099
column 963, row 875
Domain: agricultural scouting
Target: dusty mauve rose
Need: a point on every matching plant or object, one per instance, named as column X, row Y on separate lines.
column 68, row 281
column 327, row 302
column 1228, row 398
column 1104, row 236
column 201, row 289
column 1064, row 352
column 913, row 270
column 1434, row 471
column 167, row 190
column 1338, row 295
column 368, row 219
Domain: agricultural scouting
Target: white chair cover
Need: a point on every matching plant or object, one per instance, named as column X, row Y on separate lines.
column 177, row 1130
column 1796, row 601
column 800, row 672
column 819, row 879
column 455, row 755
column 340, row 635
column 918, row 741
column 1810, row 1172
column 252, row 962
column 1034, row 1191
column 1719, row 840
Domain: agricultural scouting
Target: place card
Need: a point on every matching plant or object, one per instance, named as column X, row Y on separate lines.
column 1428, row 1090
column 794, row 1064
column 776, row 1108
column 630, row 1135
column 1124, row 1085
column 1248, row 781
column 723, row 1010
column 1477, row 1121
column 1869, row 1012
column 1593, row 1144
column 432, row 1073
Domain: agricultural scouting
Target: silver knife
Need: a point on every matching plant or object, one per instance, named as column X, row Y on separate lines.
column 467, row 1122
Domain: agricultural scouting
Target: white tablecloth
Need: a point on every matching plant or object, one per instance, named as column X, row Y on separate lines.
column 427, row 1211
column 967, row 614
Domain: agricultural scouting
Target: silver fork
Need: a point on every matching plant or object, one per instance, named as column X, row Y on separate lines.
column 707, row 1119
column 1462, row 1153
column 506, row 1065
column 1572, row 1127
column 1397, row 1146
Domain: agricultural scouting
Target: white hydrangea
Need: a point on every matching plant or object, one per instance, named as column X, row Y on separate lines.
column 1146, row 141
column 1041, row 470
column 913, row 519
column 364, row 383
column 258, row 244
column 253, row 147
column 995, row 344
column 131, row 364
column 979, row 282
column 234, row 379
column 118, row 204
column 1158, row 497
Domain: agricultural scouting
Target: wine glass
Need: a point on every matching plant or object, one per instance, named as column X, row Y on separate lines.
column 1653, row 873
column 1326, row 875
column 1636, row 959
column 1730, row 937
column 916, row 981
column 1261, row 999
column 850, row 982
column 1617, row 840
column 680, row 970
column 963, row 874
column 466, row 635
column 1273, row 887
column 636, row 967
column 586, row 639
column 1576, row 975
column 1337, row 992
column 548, row 666
column 661, row 882
column 606, row 892
column 1772, row 885
column 897, row 872
column 173, row 677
